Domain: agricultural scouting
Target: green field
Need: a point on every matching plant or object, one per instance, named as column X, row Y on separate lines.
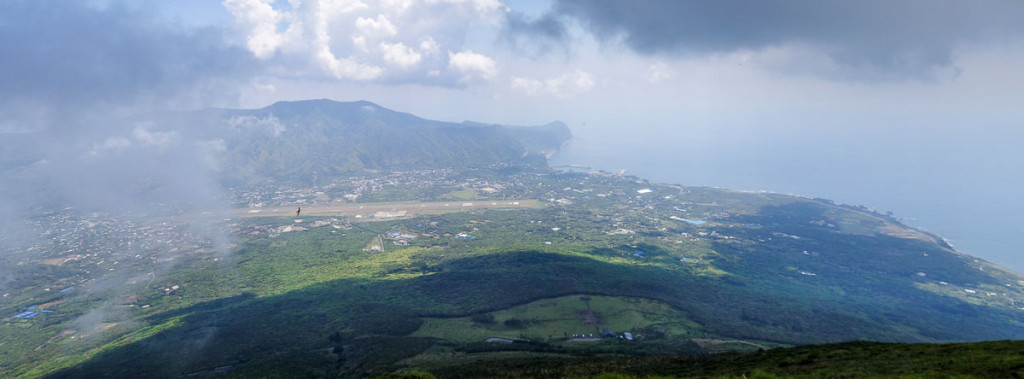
column 999, row 359
column 558, row 319
column 312, row 298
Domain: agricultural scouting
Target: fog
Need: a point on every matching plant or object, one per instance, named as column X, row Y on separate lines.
column 75, row 73
column 907, row 107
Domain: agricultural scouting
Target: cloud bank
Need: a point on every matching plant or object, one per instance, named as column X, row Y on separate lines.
column 73, row 73
column 873, row 38
column 69, row 56
column 387, row 41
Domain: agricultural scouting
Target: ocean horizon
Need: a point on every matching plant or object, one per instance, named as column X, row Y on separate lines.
column 979, row 218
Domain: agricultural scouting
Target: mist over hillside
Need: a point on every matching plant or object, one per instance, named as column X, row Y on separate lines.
column 173, row 205
column 160, row 164
column 373, row 236
column 295, row 141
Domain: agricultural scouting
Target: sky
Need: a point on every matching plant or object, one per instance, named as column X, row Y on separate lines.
column 909, row 106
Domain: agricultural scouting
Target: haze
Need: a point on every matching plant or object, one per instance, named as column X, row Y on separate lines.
column 911, row 107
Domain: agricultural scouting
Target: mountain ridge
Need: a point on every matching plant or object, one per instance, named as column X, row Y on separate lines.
column 294, row 140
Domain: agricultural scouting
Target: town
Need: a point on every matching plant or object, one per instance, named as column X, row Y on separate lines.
column 640, row 219
column 408, row 222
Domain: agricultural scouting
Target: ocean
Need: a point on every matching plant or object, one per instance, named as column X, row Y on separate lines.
column 968, row 194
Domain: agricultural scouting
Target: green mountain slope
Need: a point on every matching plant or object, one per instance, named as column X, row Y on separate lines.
column 292, row 141
column 467, row 263
column 686, row 271
column 999, row 359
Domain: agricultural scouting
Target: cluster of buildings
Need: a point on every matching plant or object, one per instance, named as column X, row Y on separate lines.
column 298, row 225
column 384, row 186
column 400, row 238
column 98, row 241
column 605, row 334
column 91, row 247
column 348, row 189
column 32, row 312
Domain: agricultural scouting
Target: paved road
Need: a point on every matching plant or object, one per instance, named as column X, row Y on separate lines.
column 386, row 210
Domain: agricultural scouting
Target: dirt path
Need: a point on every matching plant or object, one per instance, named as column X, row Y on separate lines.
column 705, row 343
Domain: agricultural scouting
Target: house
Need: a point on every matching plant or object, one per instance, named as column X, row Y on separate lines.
column 499, row 340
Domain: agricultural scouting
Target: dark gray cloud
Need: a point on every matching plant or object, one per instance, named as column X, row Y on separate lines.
column 539, row 36
column 71, row 73
column 69, row 56
column 904, row 37
column 73, row 69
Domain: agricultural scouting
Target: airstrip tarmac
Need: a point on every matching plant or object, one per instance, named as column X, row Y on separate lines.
column 385, row 210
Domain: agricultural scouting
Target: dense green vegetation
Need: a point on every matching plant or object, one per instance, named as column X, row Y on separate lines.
column 294, row 141
column 999, row 359
column 685, row 271
column 572, row 274
column 558, row 319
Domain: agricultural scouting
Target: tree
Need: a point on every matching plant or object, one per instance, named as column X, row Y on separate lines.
column 483, row 318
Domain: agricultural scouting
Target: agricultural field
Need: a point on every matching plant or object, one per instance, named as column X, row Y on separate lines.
column 574, row 319
column 581, row 261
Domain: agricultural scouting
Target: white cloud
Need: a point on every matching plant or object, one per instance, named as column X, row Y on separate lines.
column 369, row 40
column 359, row 42
column 399, row 54
column 659, row 72
column 269, row 124
column 346, row 68
column 262, row 20
column 111, row 143
column 143, row 135
column 380, row 26
column 398, row 5
column 210, row 151
column 429, row 46
column 472, row 65
column 334, row 7
column 582, row 80
column 264, row 87
column 214, row 145
column 489, row 10
column 564, row 85
column 341, row 68
column 116, row 143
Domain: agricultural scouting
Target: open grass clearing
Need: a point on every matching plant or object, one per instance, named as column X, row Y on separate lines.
column 560, row 318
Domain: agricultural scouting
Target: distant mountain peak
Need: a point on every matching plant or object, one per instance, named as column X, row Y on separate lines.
column 322, row 102
column 333, row 137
